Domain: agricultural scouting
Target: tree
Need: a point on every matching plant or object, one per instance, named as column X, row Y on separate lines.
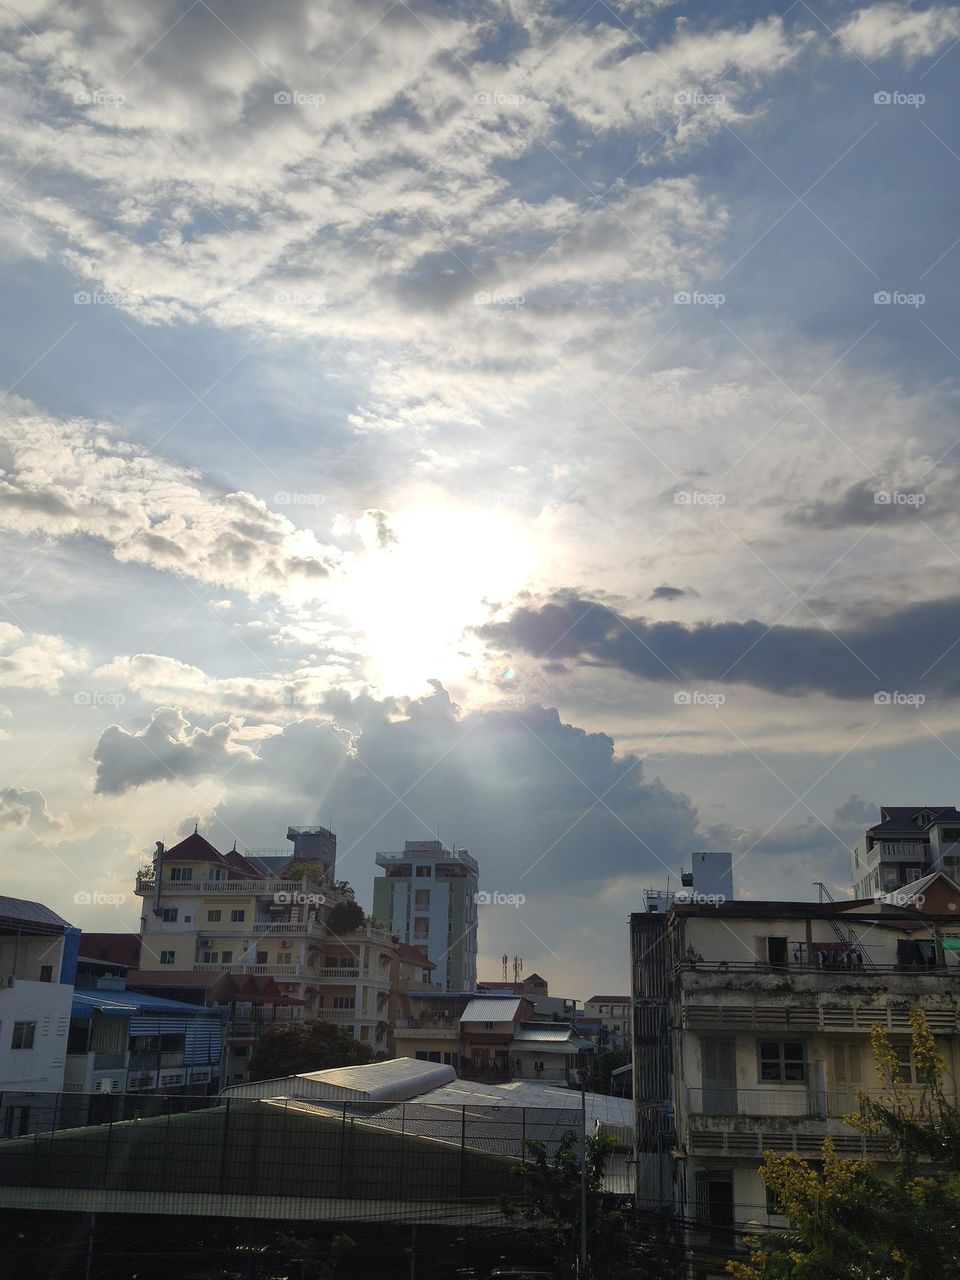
column 347, row 917
column 550, row 1201
column 298, row 1047
column 848, row 1220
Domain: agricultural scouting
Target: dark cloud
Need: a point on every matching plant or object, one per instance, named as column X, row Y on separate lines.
column 166, row 749
column 27, row 809
column 904, row 650
column 865, row 503
column 668, row 593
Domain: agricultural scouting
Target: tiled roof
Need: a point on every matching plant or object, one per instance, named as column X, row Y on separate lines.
column 415, row 955
column 19, row 912
column 898, row 818
column 118, row 948
column 195, row 849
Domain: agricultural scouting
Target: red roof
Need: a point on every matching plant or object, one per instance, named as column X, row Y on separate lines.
column 415, row 955
column 195, row 849
column 116, row 948
column 227, row 987
column 608, row 1000
column 239, row 863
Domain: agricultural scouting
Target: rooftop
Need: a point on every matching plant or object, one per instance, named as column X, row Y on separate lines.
column 22, row 916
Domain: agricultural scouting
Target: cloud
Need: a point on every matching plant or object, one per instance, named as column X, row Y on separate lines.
column 21, row 809
column 886, row 29
column 67, row 479
column 910, row 649
column 668, row 593
column 167, row 749
column 36, row 661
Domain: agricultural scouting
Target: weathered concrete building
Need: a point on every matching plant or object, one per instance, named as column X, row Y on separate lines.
column 751, row 1025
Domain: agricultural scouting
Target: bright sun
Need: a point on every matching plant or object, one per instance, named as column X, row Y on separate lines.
column 411, row 599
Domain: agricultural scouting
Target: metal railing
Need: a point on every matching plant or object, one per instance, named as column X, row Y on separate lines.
column 797, row 1102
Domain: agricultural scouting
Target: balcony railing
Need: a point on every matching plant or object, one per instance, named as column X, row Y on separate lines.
column 332, row 974
column 265, row 888
column 346, row 1015
column 786, row 1101
column 289, row 971
column 839, row 964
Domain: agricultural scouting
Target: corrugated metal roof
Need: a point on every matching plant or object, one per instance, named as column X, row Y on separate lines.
column 494, row 1010
column 396, row 1080
column 23, row 912
column 131, row 1003
column 543, row 1031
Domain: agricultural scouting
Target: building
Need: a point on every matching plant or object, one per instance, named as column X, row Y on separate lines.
column 212, row 913
column 751, row 1032
column 710, row 879
column 535, row 989
column 38, row 961
column 903, row 846
column 129, row 1042
column 613, row 1015
column 427, row 896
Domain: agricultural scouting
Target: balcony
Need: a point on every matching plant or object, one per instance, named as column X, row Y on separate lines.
column 335, row 975
column 265, row 888
column 291, row 972
column 346, row 1016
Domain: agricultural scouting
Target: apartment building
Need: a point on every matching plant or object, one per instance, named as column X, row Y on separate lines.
column 427, row 896
column 751, row 1025
column 535, row 989
column 613, row 1015
column 38, row 960
column 212, row 913
column 903, row 846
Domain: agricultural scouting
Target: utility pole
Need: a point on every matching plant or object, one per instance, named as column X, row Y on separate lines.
column 583, row 1169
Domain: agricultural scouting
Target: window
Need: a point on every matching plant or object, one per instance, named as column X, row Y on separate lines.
column 782, row 1060
column 168, row 957
column 208, row 957
column 214, row 916
column 423, row 871
column 909, row 1072
column 344, row 1002
column 262, row 957
column 169, row 915
column 772, row 1206
column 846, row 1064
column 284, row 957
column 919, row 953
column 421, row 926
column 226, row 957
column 238, row 916
column 46, row 973
column 422, row 899
column 23, row 1035
column 181, row 873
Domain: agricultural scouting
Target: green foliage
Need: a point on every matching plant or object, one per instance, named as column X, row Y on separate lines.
column 550, row 1202
column 847, row 1220
column 303, row 870
column 601, row 1067
column 347, row 917
column 298, row 1047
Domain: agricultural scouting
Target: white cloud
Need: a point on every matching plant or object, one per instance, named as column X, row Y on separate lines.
column 886, row 29
column 40, row 662
column 27, row 810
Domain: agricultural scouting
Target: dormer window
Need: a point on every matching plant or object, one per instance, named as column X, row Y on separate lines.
column 924, row 818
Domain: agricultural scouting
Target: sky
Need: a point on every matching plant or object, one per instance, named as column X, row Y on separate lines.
column 533, row 423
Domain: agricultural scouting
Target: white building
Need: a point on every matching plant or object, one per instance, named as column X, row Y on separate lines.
column 751, row 1030
column 904, row 845
column 428, row 898
column 38, row 960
